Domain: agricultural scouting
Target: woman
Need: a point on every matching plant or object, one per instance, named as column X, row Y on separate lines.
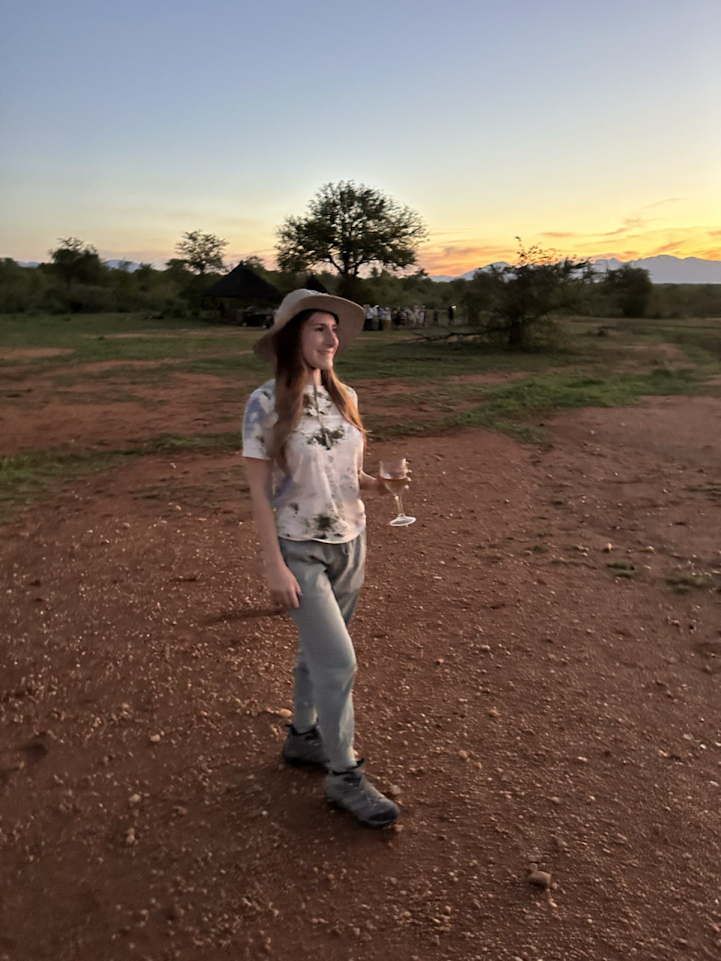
column 303, row 441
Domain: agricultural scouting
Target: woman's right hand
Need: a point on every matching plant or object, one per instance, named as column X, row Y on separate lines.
column 284, row 588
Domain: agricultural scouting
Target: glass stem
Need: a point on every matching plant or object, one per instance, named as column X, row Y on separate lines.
column 399, row 504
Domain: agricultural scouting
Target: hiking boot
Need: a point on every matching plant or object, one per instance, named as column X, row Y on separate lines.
column 352, row 791
column 305, row 748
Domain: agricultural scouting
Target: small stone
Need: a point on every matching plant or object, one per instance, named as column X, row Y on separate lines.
column 463, row 755
column 608, row 548
column 154, row 738
column 494, row 713
column 284, row 712
column 540, row 879
column 395, row 790
column 130, row 838
column 174, row 912
column 134, row 799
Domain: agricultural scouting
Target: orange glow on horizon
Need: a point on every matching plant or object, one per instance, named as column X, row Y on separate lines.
column 627, row 244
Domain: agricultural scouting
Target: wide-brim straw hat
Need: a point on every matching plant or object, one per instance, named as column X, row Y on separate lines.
column 351, row 318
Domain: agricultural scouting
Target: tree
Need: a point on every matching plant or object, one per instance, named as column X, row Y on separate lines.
column 177, row 267
column 201, row 252
column 252, row 263
column 75, row 260
column 350, row 227
column 631, row 287
column 537, row 286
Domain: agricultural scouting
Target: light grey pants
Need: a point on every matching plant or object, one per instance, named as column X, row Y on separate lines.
column 331, row 577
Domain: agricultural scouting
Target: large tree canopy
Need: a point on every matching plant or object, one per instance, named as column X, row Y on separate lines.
column 75, row 260
column 201, row 252
column 349, row 227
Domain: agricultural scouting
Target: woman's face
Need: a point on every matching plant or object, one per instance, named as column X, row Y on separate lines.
column 319, row 340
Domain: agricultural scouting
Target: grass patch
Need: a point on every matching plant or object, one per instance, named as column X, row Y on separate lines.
column 683, row 583
column 90, row 338
column 623, row 569
column 712, row 491
column 394, row 355
column 507, row 408
column 35, row 473
column 31, row 474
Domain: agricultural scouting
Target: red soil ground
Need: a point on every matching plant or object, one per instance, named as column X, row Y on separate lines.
column 524, row 704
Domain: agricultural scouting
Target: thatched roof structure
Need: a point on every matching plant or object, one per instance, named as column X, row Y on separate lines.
column 312, row 283
column 242, row 283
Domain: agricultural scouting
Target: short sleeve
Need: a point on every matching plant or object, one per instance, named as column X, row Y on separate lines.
column 353, row 395
column 257, row 424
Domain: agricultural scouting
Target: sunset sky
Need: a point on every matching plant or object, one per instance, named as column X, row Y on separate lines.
column 591, row 128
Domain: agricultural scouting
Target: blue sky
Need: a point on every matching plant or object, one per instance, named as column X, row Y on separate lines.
column 128, row 124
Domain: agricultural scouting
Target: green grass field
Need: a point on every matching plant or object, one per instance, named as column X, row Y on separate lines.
column 629, row 362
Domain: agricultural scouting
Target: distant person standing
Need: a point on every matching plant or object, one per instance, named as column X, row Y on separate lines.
column 451, row 315
column 371, row 318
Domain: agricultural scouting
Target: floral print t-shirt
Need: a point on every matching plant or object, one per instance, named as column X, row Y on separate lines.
column 319, row 500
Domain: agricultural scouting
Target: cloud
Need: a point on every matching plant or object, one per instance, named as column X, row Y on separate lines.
column 714, row 233
column 635, row 219
column 618, row 255
column 558, row 233
column 450, row 259
column 612, row 233
column 659, row 203
column 629, row 222
column 266, row 254
column 664, row 248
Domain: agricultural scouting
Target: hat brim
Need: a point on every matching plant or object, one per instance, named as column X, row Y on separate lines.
column 351, row 318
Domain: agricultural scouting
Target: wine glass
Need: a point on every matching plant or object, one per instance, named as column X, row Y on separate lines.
column 394, row 474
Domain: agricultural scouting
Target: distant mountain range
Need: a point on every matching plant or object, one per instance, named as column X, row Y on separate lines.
column 663, row 269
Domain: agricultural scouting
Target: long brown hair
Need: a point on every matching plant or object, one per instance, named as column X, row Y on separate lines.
column 291, row 377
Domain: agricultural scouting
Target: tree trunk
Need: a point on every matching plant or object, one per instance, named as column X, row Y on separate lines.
column 348, row 287
column 516, row 333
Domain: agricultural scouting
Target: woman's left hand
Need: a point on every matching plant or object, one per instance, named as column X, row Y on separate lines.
column 382, row 489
